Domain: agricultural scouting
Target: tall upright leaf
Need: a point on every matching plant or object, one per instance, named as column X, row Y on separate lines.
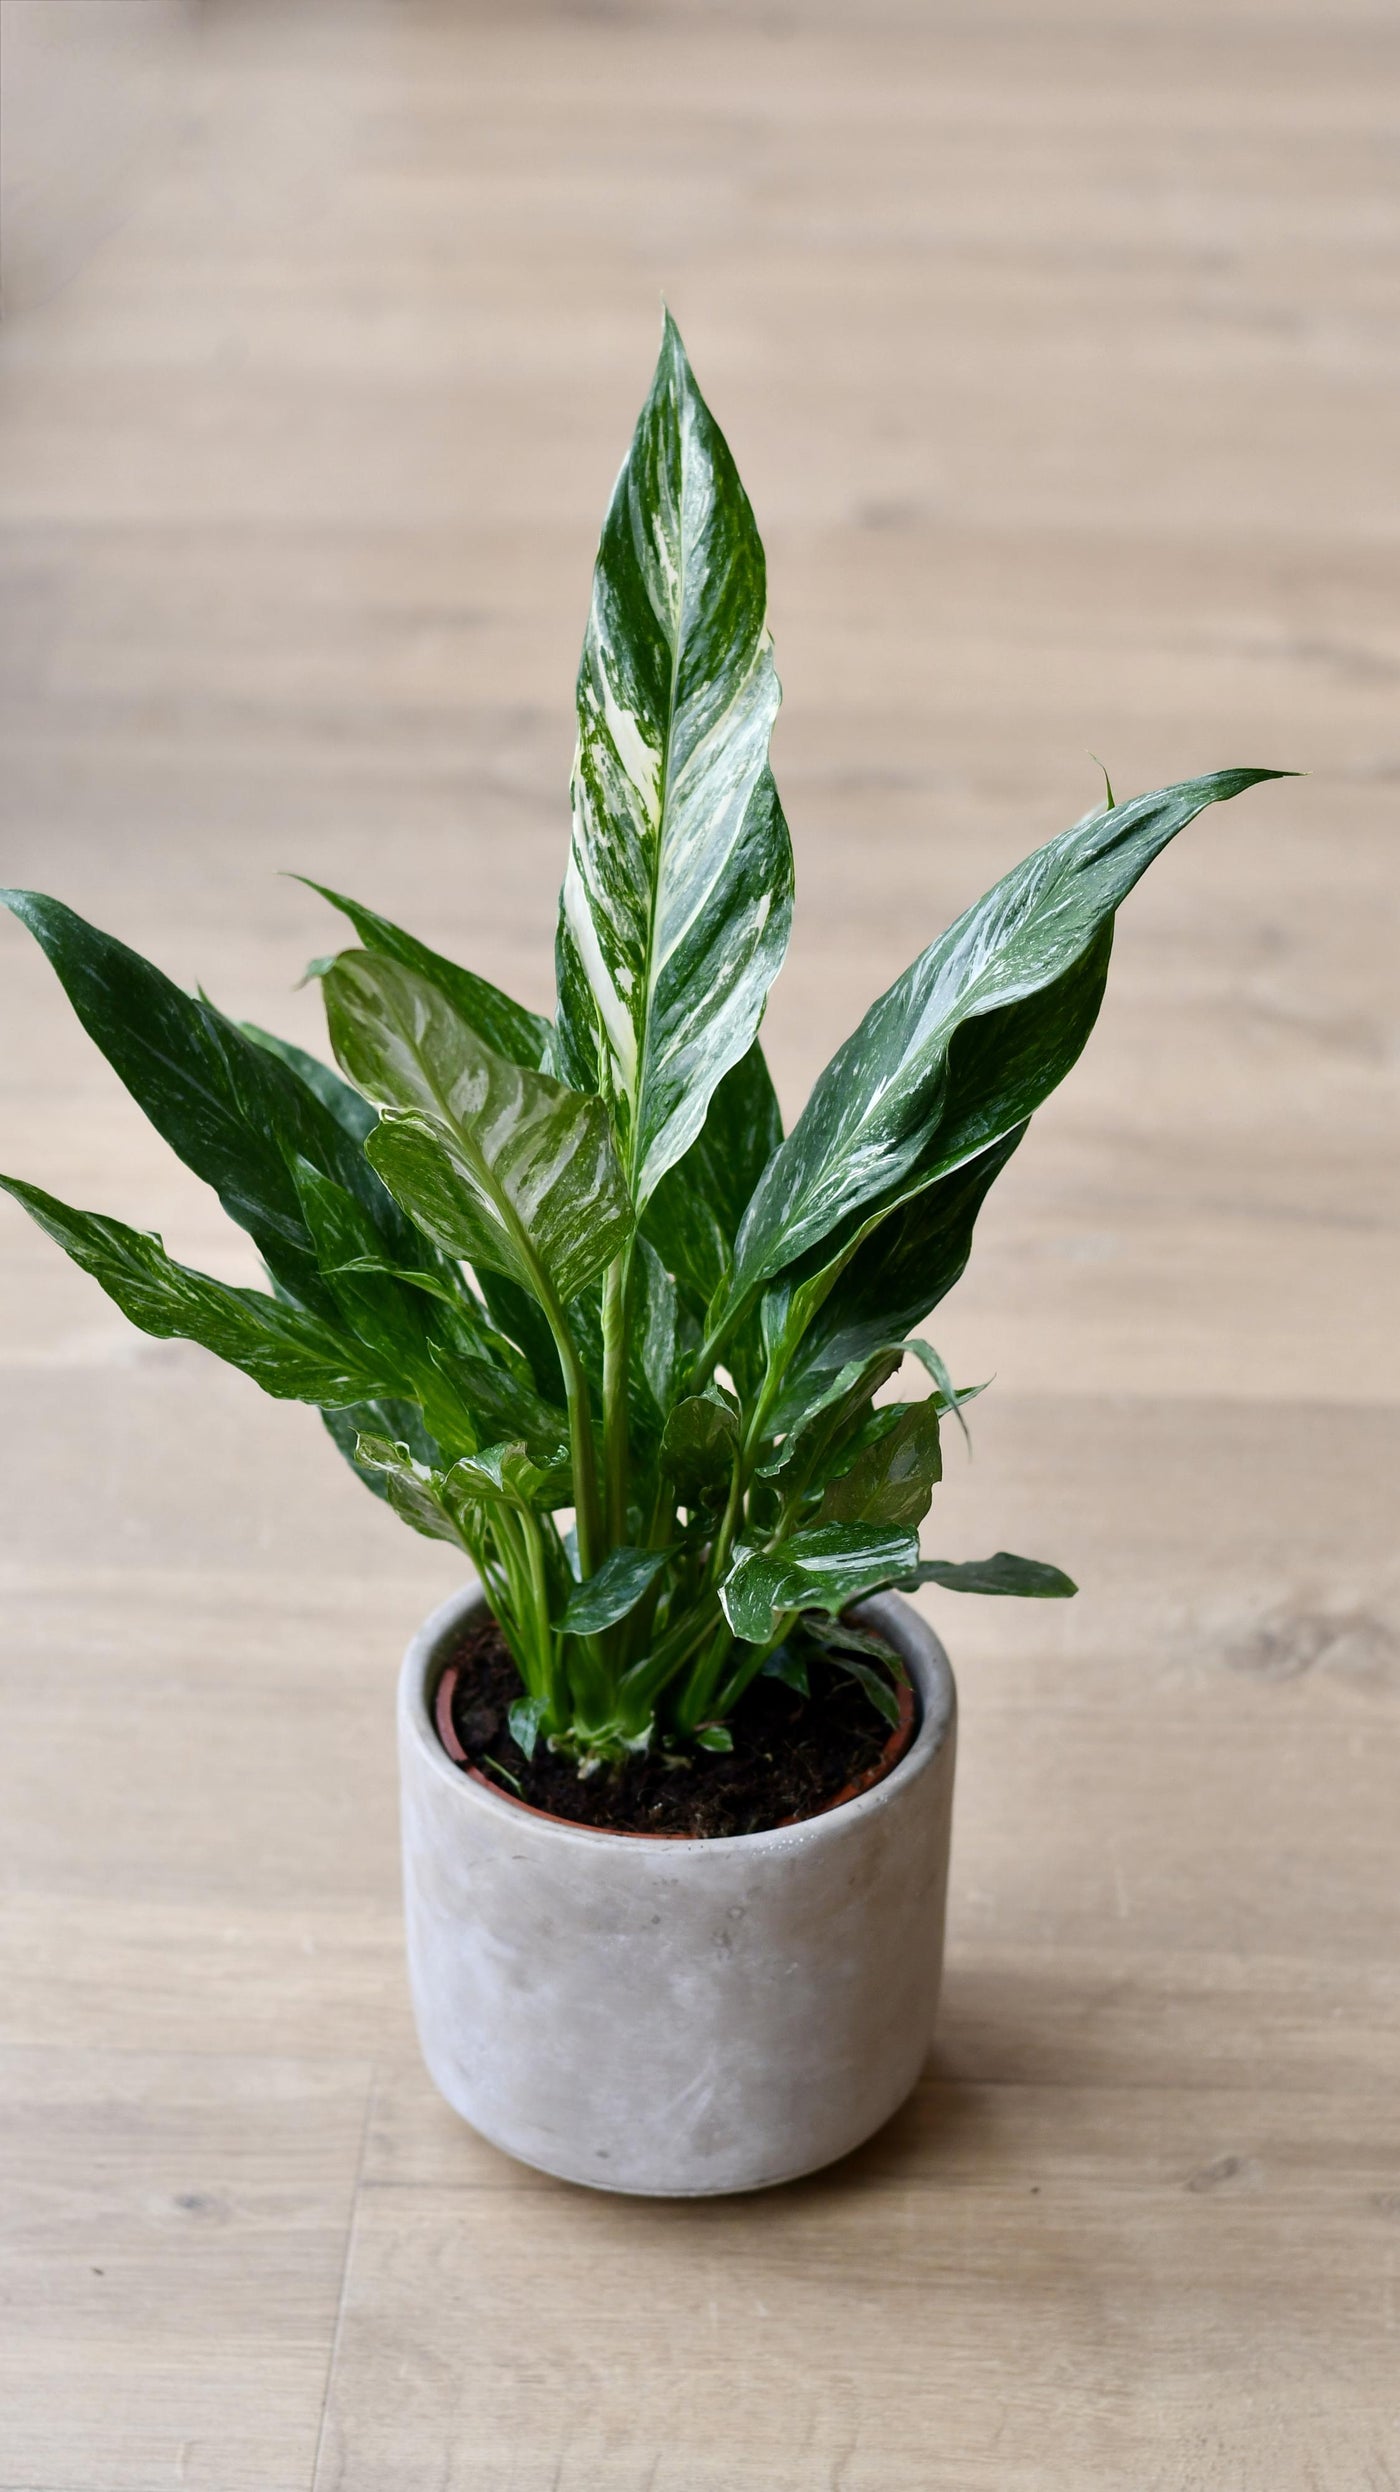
column 1021, row 974
column 696, row 1212
column 678, row 896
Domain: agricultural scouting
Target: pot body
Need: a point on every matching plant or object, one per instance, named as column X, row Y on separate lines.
column 676, row 2018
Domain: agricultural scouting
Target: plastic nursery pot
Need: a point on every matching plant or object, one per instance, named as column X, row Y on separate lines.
column 677, row 2018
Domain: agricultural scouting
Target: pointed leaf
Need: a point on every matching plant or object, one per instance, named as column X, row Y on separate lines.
column 616, row 1588
column 226, row 1104
column 1019, row 978
column 287, row 1351
column 891, row 1481
column 525, row 1717
column 822, row 1568
column 678, row 896
column 1025, row 1579
column 498, row 1164
column 522, row 1037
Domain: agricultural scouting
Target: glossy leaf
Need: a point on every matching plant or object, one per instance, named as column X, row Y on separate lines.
column 229, row 1106
column 698, row 1446
column 387, row 1417
column 498, row 1164
column 351, row 1112
column 521, row 1036
column 678, row 895
column 695, row 1214
column 502, row 1475
column 617, row 1587
column 413, row 1488
column 1025, row 1579
column 892, row 1480
column 1021, row 975
column 822, row 1568
column 286, row 1350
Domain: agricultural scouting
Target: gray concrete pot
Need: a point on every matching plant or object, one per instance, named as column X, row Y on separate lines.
column 676, row 2018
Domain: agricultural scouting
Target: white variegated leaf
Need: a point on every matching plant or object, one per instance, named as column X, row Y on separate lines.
column 678, row 895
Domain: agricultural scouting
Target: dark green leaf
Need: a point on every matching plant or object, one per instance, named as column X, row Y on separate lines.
column 229, row 1106
column 287, row 1351
column 789, row 1666
column 521, row 1037
column 1021, row 973
column 678, row 895
column 498, row 1164
column 698, row 1446
column 822, row 1568
column 613, row 1591
column 891, row 1481
column 351, row 1112
column 875, row 1685
column 1027, row 1579
column 694, row 1216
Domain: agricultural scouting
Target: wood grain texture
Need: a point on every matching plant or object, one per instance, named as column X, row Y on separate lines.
column 1057, row 350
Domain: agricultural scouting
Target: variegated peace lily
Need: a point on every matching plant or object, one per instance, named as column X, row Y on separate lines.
column 531, row 1271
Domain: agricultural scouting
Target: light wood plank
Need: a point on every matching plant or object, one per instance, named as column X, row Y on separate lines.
column 1057, row 349
column 172, row 2242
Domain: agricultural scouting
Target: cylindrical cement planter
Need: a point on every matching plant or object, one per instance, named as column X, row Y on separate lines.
column 676, row 2018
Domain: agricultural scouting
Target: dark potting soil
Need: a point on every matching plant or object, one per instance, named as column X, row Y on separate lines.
column 791, row 1753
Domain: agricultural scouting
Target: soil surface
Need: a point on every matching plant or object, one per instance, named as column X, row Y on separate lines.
column 791, row 1753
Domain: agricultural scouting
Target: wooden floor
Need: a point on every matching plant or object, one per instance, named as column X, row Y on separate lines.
column 1058, row 347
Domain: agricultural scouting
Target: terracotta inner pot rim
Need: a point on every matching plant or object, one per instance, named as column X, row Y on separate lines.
column 896, row 1748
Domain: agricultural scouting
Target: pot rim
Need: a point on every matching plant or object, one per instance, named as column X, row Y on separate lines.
column 919, row 1648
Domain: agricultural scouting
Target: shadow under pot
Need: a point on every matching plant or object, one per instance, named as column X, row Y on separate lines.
column 677, row 2018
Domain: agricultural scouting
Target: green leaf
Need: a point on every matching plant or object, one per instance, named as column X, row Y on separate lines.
column 875, row 1685
column 1026, row 1579
column 653, row 1332
column 230, row 1107
column 842, row 1635
column 287, row 1351
column 678, row 896
column 789, row 1666
column 698, row 1445
column 525, row 1717
column 891, row 1481
column 352, row 1113
column 385, row 1417
column 949, row 1398
column 520, row 1036
column 714, row 1736
column 503, row 1475
column 694, row 1216
column 613, row 1591
column 1018, row 980
column 498, row 1164
column 413, row 1489
column 822, row 1568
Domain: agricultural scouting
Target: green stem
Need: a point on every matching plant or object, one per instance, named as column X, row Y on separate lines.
column 588, row 1509
column 617, row 1290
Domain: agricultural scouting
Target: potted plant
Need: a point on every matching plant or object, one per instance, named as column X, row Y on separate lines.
column 677, row 1768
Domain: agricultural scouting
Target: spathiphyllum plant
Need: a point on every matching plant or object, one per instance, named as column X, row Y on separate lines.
column 565, row 1294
